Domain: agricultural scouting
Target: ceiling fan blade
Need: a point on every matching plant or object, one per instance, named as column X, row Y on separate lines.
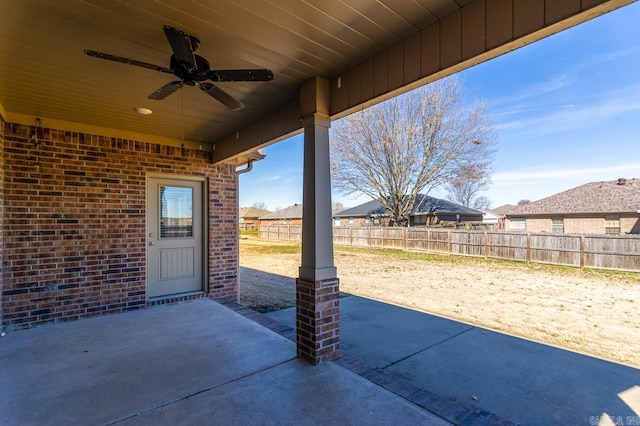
column 222, row 96
column 240, row 75
column 127, row 61
column 166, row 90
column 181, row 46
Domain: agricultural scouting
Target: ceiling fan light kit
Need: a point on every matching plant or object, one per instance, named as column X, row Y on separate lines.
column 192, row 70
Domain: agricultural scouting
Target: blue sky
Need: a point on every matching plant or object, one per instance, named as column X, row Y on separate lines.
column 567, row 109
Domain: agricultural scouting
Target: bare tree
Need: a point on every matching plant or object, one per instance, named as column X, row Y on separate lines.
column 337, row 206
column 466, row 184
column 397, row 149
column 260, row 205
column 523, row 202
column 481, row 203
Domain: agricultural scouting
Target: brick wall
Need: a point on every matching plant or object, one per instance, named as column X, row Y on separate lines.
column 629, row 224
column 584, row 225
column 318, row 319
column 538, row 224
column 74, row 216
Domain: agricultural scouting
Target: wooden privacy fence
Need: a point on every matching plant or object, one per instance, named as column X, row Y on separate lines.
column 281, row 232
column 617, row 252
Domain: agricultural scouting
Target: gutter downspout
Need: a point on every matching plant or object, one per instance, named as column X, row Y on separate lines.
column 238, row 173
column 247, row 170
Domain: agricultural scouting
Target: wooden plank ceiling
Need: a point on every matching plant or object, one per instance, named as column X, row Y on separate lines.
column 44, row 73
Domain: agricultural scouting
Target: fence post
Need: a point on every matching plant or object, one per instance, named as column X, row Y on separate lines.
column 405, row 242
column 427, row 245
column 581, row 251
column 528, row 247
column 486, row 245
column 449, row 241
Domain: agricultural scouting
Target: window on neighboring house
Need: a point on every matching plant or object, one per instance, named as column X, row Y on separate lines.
column 367, row 221
column 557, row 225
column 612, row 224
column 517, row 224
column 351, row 220
column 376, row 221
column 336, row 221
column 419, row 220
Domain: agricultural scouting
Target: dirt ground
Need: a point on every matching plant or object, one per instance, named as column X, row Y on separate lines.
column 594, row 312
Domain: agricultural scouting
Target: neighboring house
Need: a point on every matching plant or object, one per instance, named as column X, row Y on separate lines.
column 427, row 211
column 611, row 207
column 500, row 212
column 490, row 218
column 249, row 217
column 291, row 215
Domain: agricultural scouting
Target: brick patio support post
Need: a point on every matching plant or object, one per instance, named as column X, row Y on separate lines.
column 317, row 288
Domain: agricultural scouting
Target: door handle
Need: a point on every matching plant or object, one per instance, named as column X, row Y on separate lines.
column 152, row 243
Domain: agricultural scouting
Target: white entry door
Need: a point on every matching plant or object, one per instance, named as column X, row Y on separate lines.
column 175, row 237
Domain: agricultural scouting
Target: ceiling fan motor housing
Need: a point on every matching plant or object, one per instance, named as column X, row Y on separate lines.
column 185, row 72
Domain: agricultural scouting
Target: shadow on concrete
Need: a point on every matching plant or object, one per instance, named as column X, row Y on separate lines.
column 527, row 382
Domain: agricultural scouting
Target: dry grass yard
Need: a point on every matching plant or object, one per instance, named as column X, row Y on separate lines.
column 593, row 312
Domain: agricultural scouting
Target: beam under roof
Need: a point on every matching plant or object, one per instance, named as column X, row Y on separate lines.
column 479, row 31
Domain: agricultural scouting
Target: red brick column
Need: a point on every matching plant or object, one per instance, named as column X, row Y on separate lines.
column 318, row 319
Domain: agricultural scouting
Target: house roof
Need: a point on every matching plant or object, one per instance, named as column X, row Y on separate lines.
column 424, row 205
column 502, row 210
column 370, row 208
column 291, row 212
column 252, row 212
column 619, row 196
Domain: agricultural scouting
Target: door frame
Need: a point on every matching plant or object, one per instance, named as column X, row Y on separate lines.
column 204, row 182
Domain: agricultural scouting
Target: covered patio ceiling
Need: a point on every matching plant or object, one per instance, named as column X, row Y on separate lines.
column 365, row 51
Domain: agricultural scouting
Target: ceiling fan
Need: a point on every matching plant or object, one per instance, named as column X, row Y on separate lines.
column 192, row 70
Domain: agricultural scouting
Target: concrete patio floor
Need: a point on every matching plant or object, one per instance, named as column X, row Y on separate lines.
column 208, row 363
column 192, row 363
